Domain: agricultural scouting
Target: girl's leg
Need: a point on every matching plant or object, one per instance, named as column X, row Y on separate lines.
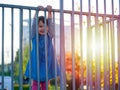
column 43, row 85
column 35, row 85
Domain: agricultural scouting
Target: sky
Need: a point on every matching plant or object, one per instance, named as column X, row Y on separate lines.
column 28, row 2
column 55, row 5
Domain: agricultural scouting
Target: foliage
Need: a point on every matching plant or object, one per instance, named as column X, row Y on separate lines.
column 68, row 67
column 16, row 64
column 68, row 61
column 25, row 57
column 25, row 87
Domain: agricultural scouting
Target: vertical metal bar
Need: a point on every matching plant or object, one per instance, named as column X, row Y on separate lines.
column 105, row 36
column 113, row 46
column 2, row 48
column 30, row 50
column 105, row 54
column 37, row 51
column 107, row 57
column 113, row 56
column 97, row 31
column 46, row 55
column 72, row 46
column 118, row 32
column 81, row 49
column 109, row 51
column 87, row 64
column 87, row 60
column 62, row 49
column 20, row 51
column 89, row 50
column 56, row 86
column 118, row 38
column 12, row 24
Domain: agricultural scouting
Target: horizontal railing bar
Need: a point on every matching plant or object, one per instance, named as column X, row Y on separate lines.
column 86, row 13
column 101, row 23
column 57, row 10
column 18, row 6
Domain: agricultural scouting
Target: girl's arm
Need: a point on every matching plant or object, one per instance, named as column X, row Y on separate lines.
column 50, row 24
column 51, row 28
column 33, row 30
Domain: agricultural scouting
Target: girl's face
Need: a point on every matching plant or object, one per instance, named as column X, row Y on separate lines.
column 41, row 28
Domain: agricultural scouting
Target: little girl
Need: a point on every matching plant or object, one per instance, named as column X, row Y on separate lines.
column 50, row 52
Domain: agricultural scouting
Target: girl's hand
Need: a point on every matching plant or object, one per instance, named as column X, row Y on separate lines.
column 40, row 7
column 49, row 8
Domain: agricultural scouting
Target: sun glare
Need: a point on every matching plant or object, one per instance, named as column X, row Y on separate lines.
column 100, row 43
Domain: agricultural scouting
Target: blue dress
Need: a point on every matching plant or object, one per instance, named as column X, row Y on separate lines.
column 42, row 63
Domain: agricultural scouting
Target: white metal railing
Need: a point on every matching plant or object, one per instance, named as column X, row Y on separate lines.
column 98, row 46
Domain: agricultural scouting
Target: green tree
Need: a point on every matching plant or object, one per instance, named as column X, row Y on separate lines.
column 25, row 60
column 25, row 57
column 16, row 64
